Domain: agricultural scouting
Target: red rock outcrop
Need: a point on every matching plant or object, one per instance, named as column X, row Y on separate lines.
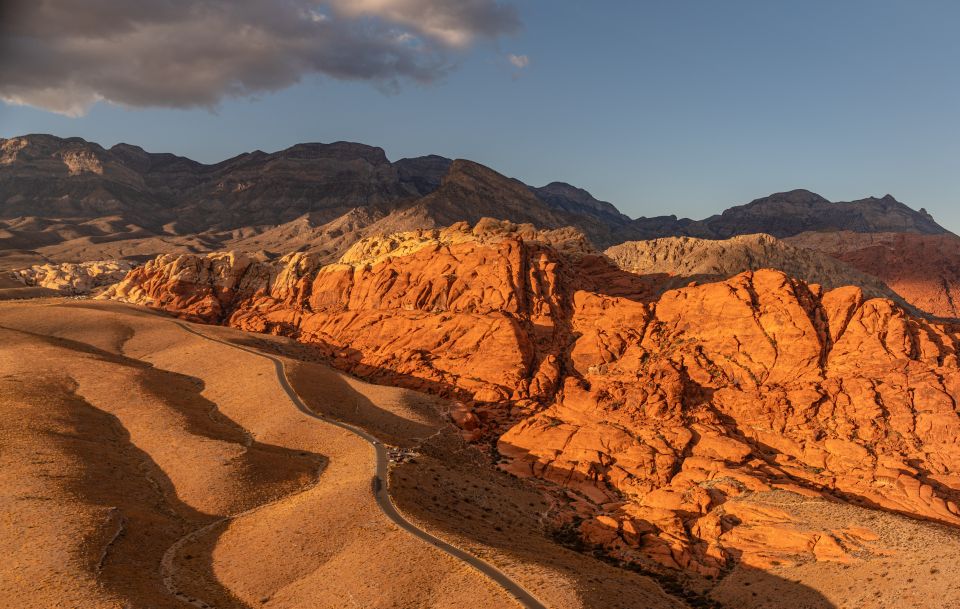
column 652, row 420
column 923, row 269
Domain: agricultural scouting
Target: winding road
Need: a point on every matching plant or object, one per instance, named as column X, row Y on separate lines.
column 379, row 484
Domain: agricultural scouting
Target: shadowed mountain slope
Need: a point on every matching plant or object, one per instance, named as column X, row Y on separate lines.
column 924, row 269
column 789, row 213
column 70, row 200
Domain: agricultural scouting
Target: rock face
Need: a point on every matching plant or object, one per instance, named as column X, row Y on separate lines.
column 74, row 279
column 735, row 387
column 682, row 260
column 649, row 418
column 923, row 269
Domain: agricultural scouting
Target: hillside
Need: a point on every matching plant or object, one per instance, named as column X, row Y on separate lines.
column 211, row 489
column 73, row 200
column 679, row 261
column 924, row 269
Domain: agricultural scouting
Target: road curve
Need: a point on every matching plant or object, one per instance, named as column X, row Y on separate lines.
column 379, row 484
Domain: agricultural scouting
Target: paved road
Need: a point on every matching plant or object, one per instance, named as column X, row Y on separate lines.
column 379, row 485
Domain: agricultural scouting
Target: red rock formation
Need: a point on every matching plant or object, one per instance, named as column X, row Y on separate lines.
column 923, row 269
column 652, row 419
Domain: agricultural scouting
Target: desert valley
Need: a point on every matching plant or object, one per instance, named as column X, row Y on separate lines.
column 320, row 378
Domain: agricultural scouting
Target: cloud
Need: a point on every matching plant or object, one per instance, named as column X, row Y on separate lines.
column 455, row 23
column 65, row 55
column 518, row 61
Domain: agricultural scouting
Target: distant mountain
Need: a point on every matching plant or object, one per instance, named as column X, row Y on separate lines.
column 564, row 197
column 71, row 198
column 42, row 175
column 67, row 199
column 790, row 213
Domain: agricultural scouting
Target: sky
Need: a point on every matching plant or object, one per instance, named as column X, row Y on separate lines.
column 661, row 107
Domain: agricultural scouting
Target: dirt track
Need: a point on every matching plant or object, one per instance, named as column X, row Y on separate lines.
column 380, row 488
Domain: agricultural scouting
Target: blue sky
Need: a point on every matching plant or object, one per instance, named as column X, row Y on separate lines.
column 681, row 107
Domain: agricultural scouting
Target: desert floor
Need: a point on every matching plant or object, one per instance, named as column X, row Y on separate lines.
column 142, row 465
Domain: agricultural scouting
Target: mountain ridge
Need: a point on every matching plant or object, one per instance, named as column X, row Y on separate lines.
column 67, row 200
column 360, row 174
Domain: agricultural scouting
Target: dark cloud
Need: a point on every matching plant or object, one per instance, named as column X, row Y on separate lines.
column 64, row 55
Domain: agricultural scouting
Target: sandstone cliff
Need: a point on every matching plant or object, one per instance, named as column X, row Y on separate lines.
column 649, row 418
column 923, row 269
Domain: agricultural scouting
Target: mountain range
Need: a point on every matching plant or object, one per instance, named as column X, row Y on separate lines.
column 123, row 193
column 67, row 200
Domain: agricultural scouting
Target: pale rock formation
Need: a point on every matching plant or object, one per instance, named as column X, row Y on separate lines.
column 74, row 278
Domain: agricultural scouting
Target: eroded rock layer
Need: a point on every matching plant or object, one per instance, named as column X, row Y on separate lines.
column 923, row 269
column 74, row 278
column 650, row 417
column 682, row 260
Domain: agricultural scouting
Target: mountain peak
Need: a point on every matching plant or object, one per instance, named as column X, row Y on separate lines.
column 464, row 172
column 797, row 196
column 572, row 199
column 124, row 147
column 789, row 213
column 338, row 150
column 424, row 173
column 36, row 146
column 564, row 187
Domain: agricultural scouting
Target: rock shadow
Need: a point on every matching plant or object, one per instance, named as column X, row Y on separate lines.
column 740, row 586
column 139, row 497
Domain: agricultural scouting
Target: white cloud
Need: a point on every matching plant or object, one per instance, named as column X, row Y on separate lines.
column 518, row 61
column 455, row 23
column 65, row 55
